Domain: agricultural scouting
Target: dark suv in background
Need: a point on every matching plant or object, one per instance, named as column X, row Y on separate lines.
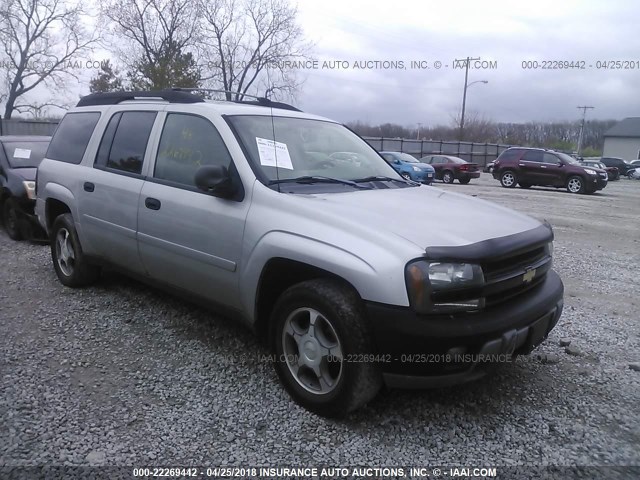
column 622, row 165
column 536, row 166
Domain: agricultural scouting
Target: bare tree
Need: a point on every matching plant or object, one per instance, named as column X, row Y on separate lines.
column 159, row 36
column 38, row 39
column 252, row 45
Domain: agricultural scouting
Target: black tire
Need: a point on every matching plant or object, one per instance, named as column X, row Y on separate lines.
column 575, row 184
column 341, row 309
column 524, row 185
column 75, row 271
column 11, row 220
column 448, row 176
column 464, row 181
column 508, row 179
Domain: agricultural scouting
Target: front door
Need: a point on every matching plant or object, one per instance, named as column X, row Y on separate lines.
column 186, row 237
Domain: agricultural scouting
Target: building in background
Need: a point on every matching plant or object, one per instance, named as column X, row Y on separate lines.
column 623, row 140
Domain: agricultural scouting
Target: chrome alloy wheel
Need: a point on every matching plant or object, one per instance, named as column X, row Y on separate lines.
column 508, row 179
column 574, row 185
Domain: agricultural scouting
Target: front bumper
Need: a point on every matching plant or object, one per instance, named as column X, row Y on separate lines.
column 419, row 351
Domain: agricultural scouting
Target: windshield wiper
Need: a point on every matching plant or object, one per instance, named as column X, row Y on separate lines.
column 380, row 178
column 310, row 179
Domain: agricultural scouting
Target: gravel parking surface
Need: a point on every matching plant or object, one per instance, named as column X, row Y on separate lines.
column 121, row 374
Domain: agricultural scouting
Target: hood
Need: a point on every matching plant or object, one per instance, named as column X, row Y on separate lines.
column 26, row 173
column 425, row 216
column 425, row 166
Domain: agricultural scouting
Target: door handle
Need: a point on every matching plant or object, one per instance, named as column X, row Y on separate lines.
column 152, row 203
column 89, row 187
column 542, row 166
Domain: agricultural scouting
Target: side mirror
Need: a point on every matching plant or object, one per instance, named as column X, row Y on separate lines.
column 215, row 180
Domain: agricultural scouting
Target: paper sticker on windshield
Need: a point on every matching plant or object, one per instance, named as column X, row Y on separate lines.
column 22, row 153
column 273, row 154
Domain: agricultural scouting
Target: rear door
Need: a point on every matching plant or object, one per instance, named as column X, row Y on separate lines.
column 530, row 171
column 109, row 191
column 186, row 237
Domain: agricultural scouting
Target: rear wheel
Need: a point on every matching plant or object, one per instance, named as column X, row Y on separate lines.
column 575, row 184
column 70, row 264
column 316, row 326
column 464, row 181
column 10, row 219
column 447, row 176
column 508, row 179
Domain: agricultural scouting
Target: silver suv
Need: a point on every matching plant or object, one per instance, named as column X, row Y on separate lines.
column 355, row 277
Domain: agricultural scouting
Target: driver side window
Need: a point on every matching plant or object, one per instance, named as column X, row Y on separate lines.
column 187, row 143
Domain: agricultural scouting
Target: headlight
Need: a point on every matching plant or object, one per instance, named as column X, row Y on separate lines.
column 30, row 187
column 415, row 169
column 444, row 287
column 590, row 172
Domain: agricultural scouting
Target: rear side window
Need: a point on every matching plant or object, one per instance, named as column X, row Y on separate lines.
column 124, row 142
column 187, row 143
column 72, row 137
column 533, row 156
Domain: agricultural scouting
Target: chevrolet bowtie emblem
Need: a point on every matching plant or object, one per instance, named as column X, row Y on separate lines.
column 529, row 275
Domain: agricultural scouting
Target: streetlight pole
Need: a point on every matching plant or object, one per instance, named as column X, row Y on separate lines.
column 464, row 92
column 418, row 135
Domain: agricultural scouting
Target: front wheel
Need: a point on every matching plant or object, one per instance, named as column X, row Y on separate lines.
column 464, row 181
column 10, row 219
column 447, row 177
column 70, row 264
column 508, row 179
column 406, row 176
column 575, row 184
column 324, row 348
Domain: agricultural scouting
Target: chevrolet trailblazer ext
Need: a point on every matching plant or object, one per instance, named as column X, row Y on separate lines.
column 239, row 205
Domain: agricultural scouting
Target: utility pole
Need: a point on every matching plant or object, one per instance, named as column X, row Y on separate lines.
column 464, row 93
column 418, row 135
column 584, row 115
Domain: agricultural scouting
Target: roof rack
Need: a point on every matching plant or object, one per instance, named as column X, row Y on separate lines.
column 113, row 98
column 259, row 101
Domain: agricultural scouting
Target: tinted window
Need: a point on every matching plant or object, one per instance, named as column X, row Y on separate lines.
column 550, row 158
column 532, row 156
column 25, row 154
column 72, row 137
column 510, row 154
column 187, row 143
column 127, row 149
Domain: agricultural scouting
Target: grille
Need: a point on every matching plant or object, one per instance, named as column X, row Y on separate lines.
column 505, row 279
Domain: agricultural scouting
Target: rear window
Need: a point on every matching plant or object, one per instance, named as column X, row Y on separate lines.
column 72, row 137
column 25, row 154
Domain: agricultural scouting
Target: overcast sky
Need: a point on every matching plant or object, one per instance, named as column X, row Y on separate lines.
column 507, row 32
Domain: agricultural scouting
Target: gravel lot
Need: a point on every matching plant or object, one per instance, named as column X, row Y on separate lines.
column 121, row 374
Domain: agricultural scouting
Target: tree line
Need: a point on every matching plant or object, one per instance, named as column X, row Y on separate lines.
column 557, row 135
column 240, row 46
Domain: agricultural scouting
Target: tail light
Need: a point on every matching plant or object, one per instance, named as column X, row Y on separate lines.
column 464, row 167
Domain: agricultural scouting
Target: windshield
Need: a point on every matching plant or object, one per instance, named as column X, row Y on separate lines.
column 25, row 154
column 287, row 148
column 405, row 157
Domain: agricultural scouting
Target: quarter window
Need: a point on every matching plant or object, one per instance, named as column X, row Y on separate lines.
column 187, row 143
column 72, row 137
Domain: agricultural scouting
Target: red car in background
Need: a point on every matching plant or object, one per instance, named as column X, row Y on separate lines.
column 450, row 168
